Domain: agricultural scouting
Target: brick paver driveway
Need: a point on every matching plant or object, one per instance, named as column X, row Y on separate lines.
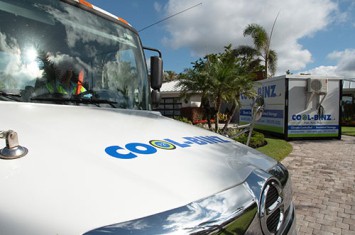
column 323, row 176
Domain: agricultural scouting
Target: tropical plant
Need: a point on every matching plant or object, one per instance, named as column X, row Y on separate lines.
column 195, row 81
column 260, row 57
column 170, row 76
column 257, row 139
column 182, row 119
column 218, row 78
column 244, row 87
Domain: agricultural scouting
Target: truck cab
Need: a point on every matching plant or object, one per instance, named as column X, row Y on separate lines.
column 82, row 152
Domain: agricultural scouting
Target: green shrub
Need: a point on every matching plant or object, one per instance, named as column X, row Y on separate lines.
column 257, row 139
column 182, row 119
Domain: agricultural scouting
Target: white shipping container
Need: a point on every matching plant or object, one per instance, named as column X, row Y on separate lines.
column 298, row 106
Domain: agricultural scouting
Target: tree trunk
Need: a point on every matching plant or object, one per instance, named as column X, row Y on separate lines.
column 218, row 106
column 205, row 103
column 208, row 113
column 230, row 116
column 266, row 65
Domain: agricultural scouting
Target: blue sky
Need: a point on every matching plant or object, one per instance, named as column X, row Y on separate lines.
column 316, row 37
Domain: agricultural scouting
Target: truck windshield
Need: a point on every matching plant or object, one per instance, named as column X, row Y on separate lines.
column 55, row 52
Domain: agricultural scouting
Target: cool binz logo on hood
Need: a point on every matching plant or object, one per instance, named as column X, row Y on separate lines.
column 133, row 150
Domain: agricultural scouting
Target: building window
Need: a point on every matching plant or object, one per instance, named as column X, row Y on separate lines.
column 169, row 107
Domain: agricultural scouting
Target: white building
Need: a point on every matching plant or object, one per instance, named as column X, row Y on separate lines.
column 171, row 103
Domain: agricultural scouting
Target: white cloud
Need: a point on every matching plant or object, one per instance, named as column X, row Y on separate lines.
column 207, row 28
column 323, row 70
column 157, row 6
column 345, row 65
column 345, row 62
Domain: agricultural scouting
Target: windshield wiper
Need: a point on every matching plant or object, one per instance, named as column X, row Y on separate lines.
column 76, row 100
column 10, row 96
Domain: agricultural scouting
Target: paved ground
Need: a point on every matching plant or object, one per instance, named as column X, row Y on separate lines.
column 323, row 177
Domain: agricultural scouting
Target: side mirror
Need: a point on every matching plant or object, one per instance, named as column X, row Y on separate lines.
column 258, row 113
column 155, row 98
column 259, row 101
column 156, row 75
column 258, row 108
column 156, row 72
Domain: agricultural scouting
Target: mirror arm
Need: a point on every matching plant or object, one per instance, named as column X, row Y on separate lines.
column 153, row 49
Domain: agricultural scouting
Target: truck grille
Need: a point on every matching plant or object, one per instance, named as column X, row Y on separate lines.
column 273, row 221
column 271, row 208
column 272, row 196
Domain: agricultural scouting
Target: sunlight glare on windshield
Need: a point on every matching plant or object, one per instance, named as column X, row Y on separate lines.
column 31, row 55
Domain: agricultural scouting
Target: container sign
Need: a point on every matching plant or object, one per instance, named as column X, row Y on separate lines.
column 273, row 117
column 313, row 115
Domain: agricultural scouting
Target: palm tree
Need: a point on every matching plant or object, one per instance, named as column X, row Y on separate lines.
column 244, row 87
column 219, row 78
column 261, row 51
column 169, row 76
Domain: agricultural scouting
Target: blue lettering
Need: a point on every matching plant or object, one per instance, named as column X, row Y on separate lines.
column 267, row 91
column 273, row 91
column 308, row 117
column 326, row 117
column 141, row 148
column 207, row 139
column 177, row 144
column 113, row 152
column 132, row 149
column 219, row 140
column 195, row 140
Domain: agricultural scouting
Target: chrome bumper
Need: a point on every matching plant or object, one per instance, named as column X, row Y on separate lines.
column 237, row 210
column 290, row 223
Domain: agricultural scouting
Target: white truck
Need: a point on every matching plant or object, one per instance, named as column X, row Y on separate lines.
column 298, row 106
column 81, row 152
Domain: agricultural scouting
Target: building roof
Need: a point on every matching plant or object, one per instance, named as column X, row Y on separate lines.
column 171, row 86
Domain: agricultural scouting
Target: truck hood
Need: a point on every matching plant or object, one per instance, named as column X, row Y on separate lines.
column 88, row 167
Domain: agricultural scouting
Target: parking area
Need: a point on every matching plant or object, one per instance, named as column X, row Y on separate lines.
column 323, row 177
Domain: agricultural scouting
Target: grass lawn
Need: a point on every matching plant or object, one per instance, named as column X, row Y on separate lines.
column 348, row 130
column 279, row 148
column 276, row 148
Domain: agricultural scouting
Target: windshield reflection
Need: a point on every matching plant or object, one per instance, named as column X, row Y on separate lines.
column 61, row 53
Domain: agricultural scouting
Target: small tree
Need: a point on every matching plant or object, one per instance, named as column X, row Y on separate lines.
column 194, row 81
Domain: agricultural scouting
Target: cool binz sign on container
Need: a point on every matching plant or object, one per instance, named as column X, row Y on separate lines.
column 298, row 106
